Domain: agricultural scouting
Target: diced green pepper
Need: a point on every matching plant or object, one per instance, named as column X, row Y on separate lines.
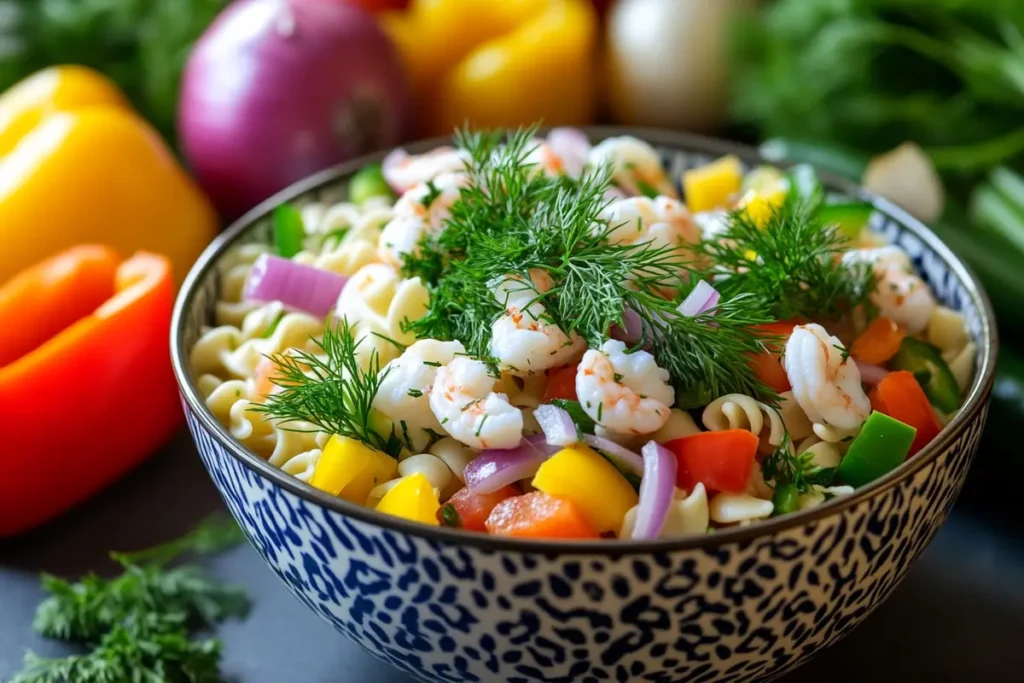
column 368, row 182
column 851, row 218
column 925, row 362
column 881, row 446
column 288, row 230
column 785, row 499
column 805, row 186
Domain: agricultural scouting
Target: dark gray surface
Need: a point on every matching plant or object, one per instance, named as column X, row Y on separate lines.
column 958, row 617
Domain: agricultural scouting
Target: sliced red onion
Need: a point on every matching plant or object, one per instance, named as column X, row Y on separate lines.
column 703, row 298
column 540, row 442
column 297, row 286
column 495, row 468
column 657, row 488
column 623, row 457
column 632, row 329
column 871, row 374
column 572, row 146
column 559, row 429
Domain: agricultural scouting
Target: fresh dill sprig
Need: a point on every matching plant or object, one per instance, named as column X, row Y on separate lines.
column 138, row 624
column 511, row 220
column 790, row 263
column 784, row 466
column 330, row 389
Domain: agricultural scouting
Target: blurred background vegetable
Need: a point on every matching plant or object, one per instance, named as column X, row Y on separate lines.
column 835, row 82
column 278, row 89
column 499, row 63
column 141, row 44
column 78, row 165
column 667, row 62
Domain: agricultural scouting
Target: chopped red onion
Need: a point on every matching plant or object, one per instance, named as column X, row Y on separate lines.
column 540, row 442
column 703, row 298
column 623, row 457
column 871, row 374
column 572, row 146
column 495, row 468
column 632, row 329
column 559, row 429
column 297, row 286
column 657, row 488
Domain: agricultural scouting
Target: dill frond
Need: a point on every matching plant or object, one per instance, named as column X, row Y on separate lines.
column 790, row 263
column 785, row 466
column 330, row 389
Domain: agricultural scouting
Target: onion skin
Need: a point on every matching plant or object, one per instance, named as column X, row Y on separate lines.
column 278, row 89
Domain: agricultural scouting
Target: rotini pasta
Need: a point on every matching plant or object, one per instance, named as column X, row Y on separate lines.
column 738, row 411
column 738, row 508
column 947, row 330
column 377, row 303
column 823, row 453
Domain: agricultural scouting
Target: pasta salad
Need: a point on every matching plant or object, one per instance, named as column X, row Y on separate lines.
column 538, row 338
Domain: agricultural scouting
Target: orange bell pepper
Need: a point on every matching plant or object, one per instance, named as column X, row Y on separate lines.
column 879, row 342
column 499, row 64
column 901, row 397
column 767, row 364
column 539, row 515
column 78, row 166
column 86, row 387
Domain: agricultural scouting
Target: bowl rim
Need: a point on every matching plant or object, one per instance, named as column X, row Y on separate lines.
column 973, row 404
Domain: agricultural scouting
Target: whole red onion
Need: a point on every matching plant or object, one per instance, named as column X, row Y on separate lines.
column 278, row 89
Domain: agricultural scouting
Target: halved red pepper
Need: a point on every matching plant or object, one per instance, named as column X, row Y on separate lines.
column 561, row 384
column 722, row 461
column 86, row 387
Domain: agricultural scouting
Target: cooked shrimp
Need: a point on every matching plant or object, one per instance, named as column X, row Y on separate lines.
column 420, row 211
column 901, row 294
column 636, row 167
column 525, row 339
column 465, row 404
column 624, row 392
column 403, row 171
column 826, row 383
column 663, row 221
column 404, row 393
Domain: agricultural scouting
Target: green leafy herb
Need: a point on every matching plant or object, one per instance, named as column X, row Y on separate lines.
column 783, row 467
column 272, row 327
column 789, row 264
column 450, row 516
column 330, row 389
column 511, row 220
column 138, row 623
column 141, row 44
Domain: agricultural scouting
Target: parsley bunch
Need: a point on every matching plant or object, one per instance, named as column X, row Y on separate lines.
column 137, row 625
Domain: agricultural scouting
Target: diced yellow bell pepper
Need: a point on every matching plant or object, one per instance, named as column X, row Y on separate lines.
column 713, row 186
column 580, row 474
column 350, row 469
column 760, row 205
column 412, row 498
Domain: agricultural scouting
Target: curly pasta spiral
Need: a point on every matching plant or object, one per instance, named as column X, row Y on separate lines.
column 739, row 411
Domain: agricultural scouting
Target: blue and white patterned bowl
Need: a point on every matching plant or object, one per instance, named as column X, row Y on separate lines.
column 740, row 605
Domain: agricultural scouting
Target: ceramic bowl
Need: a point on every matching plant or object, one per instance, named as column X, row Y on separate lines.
column 739, row 605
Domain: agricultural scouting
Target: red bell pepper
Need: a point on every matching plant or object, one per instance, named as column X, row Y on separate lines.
column 561, row 384
column 86, row 387
column 722, row 461
column 474, row 509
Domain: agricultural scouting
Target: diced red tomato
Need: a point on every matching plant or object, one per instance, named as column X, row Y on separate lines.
column 538, row 515
column 722, row 461
column 561, row 384
column 474, row 508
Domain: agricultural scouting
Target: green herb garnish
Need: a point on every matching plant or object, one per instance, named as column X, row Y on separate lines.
column 330, row 389
column 784, row 467
column 510, row 220
column 272, row 327
column 138, row 624
column 583, row 423
column 789, row 264
column 450, row 516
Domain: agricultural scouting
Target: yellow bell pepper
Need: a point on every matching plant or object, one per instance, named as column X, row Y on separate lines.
column 499, row 64
column 759, row 205
column 591, row 482
column 714, row 186
column 412, row 498
column 350, row 469
column 77, row 165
